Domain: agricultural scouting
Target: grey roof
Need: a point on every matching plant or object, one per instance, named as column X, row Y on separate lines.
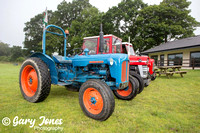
column 177, row 44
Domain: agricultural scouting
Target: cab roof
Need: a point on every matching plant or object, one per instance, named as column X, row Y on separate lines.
column 110, row 35
column 127, row 43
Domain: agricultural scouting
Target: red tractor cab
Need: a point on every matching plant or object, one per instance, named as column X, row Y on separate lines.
column 112, row 44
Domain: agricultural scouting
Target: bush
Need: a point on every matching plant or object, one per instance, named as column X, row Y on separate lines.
column 5, row 58
column 20, row 59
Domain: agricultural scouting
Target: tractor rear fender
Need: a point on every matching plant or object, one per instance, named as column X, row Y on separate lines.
column 51, row 65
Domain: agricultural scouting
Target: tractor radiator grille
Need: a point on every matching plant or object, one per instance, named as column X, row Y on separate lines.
column 125, row 71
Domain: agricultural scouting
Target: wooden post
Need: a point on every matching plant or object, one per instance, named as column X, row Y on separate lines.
column 193, row 64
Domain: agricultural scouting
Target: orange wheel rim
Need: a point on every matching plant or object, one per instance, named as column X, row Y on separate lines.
column 93, row 101
column 126, row 92
column 29, row 80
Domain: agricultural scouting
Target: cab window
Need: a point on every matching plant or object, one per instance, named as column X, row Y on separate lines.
column 116, row 45
column 91, row 44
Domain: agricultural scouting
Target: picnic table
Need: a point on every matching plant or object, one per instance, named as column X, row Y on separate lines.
column 170, row 70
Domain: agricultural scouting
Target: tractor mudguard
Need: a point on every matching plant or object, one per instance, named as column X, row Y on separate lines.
column 51, row 65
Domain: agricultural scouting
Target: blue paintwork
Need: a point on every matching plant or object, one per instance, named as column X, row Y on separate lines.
column 44, row 37
column 51, row 65
column 30, row 80
column 79, row 68
column 93, row 100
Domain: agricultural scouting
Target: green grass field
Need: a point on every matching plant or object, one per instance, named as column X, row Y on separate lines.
column 166, row 105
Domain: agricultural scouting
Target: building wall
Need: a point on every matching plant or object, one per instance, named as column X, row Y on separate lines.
column 185, row 52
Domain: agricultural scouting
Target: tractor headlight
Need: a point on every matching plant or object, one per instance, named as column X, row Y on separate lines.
column 111, row 61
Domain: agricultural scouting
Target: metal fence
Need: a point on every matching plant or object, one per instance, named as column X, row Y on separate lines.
column 193, row 63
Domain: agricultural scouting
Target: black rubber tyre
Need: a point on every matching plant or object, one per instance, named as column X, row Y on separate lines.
column 72, row 88
column 153, row 77
column 101, row 92
column 140, row 80
column 136, row 83
column 42, row 81
column 127, row 94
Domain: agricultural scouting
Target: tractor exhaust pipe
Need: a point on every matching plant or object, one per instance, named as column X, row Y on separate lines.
column 101, row 40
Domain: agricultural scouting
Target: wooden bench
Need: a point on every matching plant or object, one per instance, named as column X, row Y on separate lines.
column 160, row 72
column 169, row 74
column 180, row 72
column 170, row 70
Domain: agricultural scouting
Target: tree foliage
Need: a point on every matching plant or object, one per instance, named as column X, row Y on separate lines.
column 16, row 52
column 4, row 49
column 10, row 53
column 147, row 26
column 87, row 24
column 165, row 22
column 33, row 33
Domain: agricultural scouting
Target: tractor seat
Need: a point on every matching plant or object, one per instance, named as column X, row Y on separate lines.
column 60, row 59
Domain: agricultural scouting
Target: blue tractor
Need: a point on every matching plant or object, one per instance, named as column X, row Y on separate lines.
column 96, row 76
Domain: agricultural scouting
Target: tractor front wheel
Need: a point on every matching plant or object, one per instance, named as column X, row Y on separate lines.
column 96, row 99
column 128, row 93
column 140, row 80
column 34, row 80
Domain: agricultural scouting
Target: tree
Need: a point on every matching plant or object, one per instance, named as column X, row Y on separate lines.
column 147, row 26
column 4, row 49
column 69, row 11
column 16, row 52
column 64, row 15
column 165, row 22
column 87, row 24
column 121, row 20
column 33, row 33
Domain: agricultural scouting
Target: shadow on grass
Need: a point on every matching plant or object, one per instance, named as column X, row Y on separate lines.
column 172, row 77
column 60, row 91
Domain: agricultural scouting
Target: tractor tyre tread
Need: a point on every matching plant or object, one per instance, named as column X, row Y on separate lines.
column 140, row 80
column 108, row 99
column 44, row 79
column 133, row 93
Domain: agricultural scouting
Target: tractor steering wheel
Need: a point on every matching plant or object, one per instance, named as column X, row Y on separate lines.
column 75, row 51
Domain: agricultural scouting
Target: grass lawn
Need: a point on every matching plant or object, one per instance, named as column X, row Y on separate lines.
column 166, row 105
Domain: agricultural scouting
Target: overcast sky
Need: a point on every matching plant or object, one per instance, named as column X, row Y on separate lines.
column 14, row 13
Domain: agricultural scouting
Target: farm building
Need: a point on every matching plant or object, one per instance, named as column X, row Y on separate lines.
column 184, row 52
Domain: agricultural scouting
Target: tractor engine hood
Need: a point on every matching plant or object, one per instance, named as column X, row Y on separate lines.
column 118, row 65
column 138, row 60
column 99, row 59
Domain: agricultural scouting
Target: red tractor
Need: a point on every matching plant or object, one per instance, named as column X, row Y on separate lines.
column 141, row 67
column 137, row 60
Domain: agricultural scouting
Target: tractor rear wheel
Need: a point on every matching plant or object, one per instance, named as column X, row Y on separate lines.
column 96, row 99
column 34, row 80
column 128, row 93
column 140, row 80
